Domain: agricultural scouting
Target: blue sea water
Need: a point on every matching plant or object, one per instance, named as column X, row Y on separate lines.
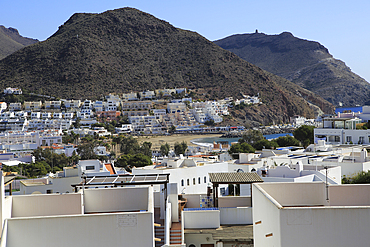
column 353, row 109
column 230, row 140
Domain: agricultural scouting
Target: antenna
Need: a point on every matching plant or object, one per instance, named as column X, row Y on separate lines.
column 326, row 182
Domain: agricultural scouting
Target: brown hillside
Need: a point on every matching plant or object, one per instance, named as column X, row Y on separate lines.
column 128, row 50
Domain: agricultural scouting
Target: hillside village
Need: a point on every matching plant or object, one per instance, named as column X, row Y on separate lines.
column 218, row 153
column 148, row 112
column 213, row 182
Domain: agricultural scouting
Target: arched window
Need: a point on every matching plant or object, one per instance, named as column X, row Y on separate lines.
column 205, row 179
column 198, row 180
column 193, row 181
column 182, row 182
column 188, row 182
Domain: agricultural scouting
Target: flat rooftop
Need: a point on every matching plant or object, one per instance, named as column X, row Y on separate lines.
column 314, row 194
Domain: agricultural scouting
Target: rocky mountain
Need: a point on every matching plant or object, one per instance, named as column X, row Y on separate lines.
column 127, row 50
column 11, row 41
column 306, row 63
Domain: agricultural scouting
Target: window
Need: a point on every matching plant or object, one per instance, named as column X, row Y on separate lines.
column 361, row 140
column 198, row 180
column 182, row 182
column 90, row 167
column 49, row 191
column 336, row 138
column 205, row 179
column 188, row 182
column 349, row 139
column 193, row 181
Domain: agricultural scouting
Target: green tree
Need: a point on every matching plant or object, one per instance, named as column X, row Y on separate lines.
column 261, row 144
column 165, row 149
column 129, row 145
column 86, row 151
column 129, row 161
column 305, row 134
column 360, row 178
column 251, row 136
column 210, row 122
column 146, row 149
column 172, row 129
column 77, row 123
column 180, row 148
column 241, row 148
column 286, row 141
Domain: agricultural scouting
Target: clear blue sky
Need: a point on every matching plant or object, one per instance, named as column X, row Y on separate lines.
column 341, row 26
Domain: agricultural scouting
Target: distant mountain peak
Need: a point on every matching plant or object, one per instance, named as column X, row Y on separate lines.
column 306, row 63
column 11, row 41
column 125, row 50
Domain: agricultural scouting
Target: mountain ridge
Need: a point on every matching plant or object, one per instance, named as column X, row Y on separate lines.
column 128, row 50
column 11, row 41
column 306, row 63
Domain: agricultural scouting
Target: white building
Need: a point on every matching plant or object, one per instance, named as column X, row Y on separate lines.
column 176, row 107
column 10, row 90
column 13, row 124
column 87, row 104
column 35, row 115
column 51, row 184
column 309, row 214
column 147, row 94
column 112, row 105
column 125, row 128
column 15, row 106
column 3, row 106
column 129, row 96
column 55, row 104
column 110, row 216
column 32, row 105
column 99, row 106
column 72, row 104
column 341, row 131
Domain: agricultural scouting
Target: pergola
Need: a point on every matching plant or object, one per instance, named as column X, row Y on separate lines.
column 232, row 178
column 8, row 180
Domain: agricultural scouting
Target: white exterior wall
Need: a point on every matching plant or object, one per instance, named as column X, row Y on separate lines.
column 349, row 168
column 336, row 226
column 179, row 174
column 84, row 230
column 266, row 220
column 343, row 133
column 46, row 205
column 201, row 219
column 349, row 195
column 234, row 201
column 57, row 185
column 345, row 222
column 301, row 195
column 96, row 200
column 236, row 216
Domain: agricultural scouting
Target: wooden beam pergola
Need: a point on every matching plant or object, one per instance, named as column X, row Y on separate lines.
column 232, row 178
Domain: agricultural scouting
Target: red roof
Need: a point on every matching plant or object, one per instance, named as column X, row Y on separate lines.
column 110, row 168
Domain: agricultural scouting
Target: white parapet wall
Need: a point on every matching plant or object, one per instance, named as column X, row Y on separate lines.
column 236, row 216
column 199, row 219
column 114, row 230
column 343, row 220
column 120, row 199
column 234, row 201
column 46, row 205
